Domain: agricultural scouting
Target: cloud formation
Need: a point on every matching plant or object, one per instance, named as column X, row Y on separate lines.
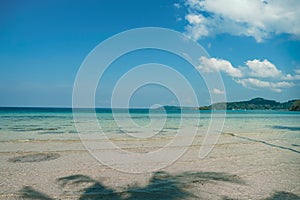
column 263, row 69
column 177, row 5
column 290, row 77
column 253, row 83
column 259, row 19
column 218, row 65
column 255, row 74
column 218, row 91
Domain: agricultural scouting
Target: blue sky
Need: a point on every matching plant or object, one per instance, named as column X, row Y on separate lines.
column 255, row 46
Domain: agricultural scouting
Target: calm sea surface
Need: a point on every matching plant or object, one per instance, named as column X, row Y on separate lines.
column 58, row 123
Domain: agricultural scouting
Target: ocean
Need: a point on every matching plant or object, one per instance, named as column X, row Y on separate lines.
column 59, row 124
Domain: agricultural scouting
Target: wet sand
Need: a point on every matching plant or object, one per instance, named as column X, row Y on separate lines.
column 243, row 166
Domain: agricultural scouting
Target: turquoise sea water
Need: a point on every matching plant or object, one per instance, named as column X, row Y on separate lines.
column 58, row 123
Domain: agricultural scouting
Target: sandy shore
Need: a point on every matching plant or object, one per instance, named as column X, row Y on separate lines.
column 244, row 166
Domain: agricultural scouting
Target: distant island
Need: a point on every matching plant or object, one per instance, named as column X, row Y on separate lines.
column 253, row 104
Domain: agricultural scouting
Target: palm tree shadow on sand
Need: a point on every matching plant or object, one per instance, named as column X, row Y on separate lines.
column 162, row 185
column 279, row 195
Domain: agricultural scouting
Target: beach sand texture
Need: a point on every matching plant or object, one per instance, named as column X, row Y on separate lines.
column 244, row 166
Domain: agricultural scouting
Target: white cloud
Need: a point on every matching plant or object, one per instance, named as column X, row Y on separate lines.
column 253, row 83
column 177, row 5
column 178, row 19
column 255, row 75
column 266, row 69
column 255, row 18
column 194, row 19
column 218, row 65
column 290, row 77
column 263, row 69
column 218, row 91
column 297, row 71
column 282, row 84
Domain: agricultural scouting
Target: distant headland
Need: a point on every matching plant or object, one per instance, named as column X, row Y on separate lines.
column 253, row 104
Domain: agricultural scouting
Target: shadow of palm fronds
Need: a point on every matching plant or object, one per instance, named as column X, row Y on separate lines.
column 162, row 185
column 87, row 188
column 167, row 186
column 282, row 195
column 28, row 192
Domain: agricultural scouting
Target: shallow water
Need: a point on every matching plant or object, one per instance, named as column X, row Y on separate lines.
column 59, row 124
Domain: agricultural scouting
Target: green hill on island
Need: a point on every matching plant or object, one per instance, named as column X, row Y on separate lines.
column 295, row 106
column 255, row 104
